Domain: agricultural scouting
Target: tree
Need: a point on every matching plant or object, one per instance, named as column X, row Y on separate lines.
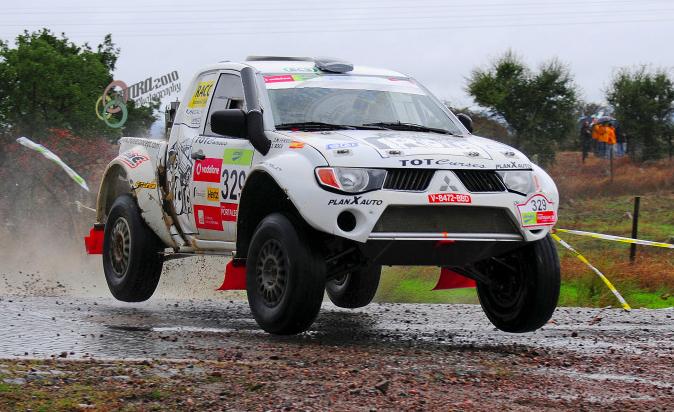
column 49, row 82
column 538, row 106
column 643, row 104
column 486, row 125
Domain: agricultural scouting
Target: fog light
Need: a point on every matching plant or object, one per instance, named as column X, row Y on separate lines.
column 346, row 221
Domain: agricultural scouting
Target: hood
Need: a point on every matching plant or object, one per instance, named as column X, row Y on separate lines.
column 372, row 148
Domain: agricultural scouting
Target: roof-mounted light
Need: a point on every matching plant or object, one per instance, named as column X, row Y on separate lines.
column 333, row 65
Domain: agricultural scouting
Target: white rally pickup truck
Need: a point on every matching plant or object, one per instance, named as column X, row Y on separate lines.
column 312, row 174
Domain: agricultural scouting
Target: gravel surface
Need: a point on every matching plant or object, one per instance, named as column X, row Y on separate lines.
column 86, row 353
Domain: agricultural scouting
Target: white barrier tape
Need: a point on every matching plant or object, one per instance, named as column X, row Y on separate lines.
column 608, row 283
column 616, row 238
column 51, row 156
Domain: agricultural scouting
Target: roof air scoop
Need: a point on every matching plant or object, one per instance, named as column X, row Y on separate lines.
column 333, row 65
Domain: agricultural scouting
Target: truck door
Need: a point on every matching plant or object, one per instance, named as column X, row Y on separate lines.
column 180, row 160
column 221, row 167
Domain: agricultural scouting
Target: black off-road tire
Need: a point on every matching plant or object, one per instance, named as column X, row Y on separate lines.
column 355, row 289
column 131, row 259
column 285, row 276
column 525, row 287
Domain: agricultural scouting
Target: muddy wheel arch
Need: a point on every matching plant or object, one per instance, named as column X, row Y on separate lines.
column 114, row 184
column 260, row 197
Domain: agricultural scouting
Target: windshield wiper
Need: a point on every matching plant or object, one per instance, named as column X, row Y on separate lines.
column 325, row 126
column 410, row 126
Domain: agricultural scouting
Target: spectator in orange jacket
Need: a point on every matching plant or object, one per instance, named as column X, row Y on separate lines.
column 609, row 133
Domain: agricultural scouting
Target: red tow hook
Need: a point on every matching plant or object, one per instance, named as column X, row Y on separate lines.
column 94, row 242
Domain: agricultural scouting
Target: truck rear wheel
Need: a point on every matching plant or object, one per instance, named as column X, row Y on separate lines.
column 285, row 277
column 131, row 259
column 524, row 287
column 355, row 289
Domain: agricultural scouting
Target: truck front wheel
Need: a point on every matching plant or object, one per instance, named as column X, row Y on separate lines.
column 285, row 277
column 523, row 289
column 131, row 258
column 354, row 289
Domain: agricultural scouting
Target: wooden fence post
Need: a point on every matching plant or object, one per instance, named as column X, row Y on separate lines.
column 635, row 227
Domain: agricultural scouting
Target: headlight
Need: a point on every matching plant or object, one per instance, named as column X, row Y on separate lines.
column 520, row 181
column 350, row 179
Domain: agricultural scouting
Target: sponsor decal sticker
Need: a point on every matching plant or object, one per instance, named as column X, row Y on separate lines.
column 133, row 159
column 438, row 162
column 145, row 185
column 207, row 217
column 229, row 211
column 279, row 78
column 210, row 140
column 241, row 157
column 512, row 165
column 356, row 200
column 340, row 145
column 413, row 142
column 213, row 194
column 537, row 211
column 301, row 69
column 200, row 96
column 207, row 170
column 449, row 198
column 296, row 145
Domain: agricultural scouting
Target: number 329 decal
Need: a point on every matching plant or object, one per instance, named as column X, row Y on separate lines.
column 232, row 183
column 537, row 211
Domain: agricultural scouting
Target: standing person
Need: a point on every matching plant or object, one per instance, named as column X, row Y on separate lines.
column 600, row 134
column 585, row 138
column 610, row 138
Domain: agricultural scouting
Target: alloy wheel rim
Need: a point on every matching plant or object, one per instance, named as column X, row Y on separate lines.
column 271, row 272
column 120, row 246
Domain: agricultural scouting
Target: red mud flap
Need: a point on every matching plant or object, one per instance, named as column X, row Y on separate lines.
column 94, row 242
column 235, row 276
column 452, row 280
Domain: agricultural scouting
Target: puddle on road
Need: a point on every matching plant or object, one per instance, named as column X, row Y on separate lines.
column 192, row 329
column 103, row 328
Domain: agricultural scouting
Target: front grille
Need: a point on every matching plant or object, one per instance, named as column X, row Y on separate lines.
column 408, row 179
column 480, row 180
column 450, row 219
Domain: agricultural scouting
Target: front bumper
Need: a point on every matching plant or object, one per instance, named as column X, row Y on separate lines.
column 444, row 210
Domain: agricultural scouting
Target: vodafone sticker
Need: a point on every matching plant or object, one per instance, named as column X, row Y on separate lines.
column 449, row 198
column 207, row 170
column 538, row 210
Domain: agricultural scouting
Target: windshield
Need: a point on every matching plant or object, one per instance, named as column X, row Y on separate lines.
column 353, row 102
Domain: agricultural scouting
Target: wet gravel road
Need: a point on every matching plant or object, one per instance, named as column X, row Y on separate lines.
column 385, row 356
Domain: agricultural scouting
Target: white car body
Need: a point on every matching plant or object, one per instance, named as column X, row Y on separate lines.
column 193, row 204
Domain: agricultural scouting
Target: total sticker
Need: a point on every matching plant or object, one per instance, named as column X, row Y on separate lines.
column 538, row 210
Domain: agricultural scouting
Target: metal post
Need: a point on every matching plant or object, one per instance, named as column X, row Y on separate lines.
column 610, row 160
column 635, row 228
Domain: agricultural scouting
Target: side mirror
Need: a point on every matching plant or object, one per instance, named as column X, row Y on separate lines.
column 229, row 122
column 466, row 121
column 254, row 120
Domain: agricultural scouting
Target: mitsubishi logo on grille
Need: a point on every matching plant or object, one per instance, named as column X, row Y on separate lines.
column 448, row 185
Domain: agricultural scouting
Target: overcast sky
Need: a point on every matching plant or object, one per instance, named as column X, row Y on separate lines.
column 436, row 41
